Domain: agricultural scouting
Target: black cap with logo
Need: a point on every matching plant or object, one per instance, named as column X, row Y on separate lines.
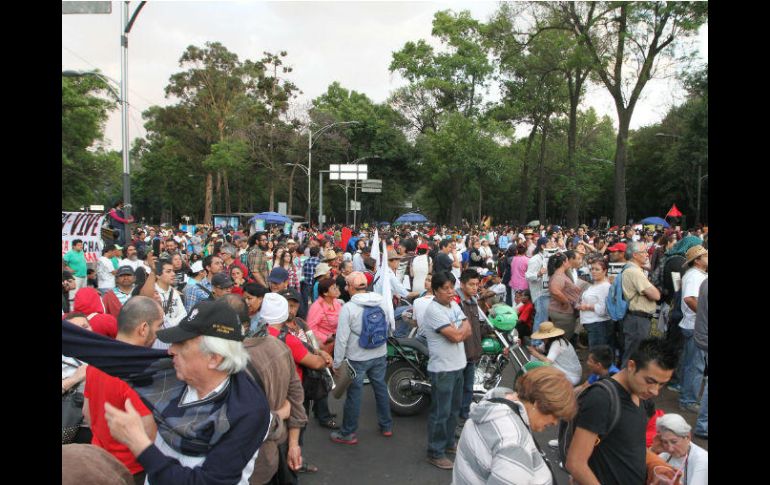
column 212, row 318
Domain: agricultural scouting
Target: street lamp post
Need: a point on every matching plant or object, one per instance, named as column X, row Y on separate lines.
column 355, row 186
column 310, row 136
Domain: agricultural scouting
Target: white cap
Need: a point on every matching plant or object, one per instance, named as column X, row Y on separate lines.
column 275, row 309
column 197, row 267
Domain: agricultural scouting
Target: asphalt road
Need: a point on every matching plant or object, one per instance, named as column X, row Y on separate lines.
column 402, row 458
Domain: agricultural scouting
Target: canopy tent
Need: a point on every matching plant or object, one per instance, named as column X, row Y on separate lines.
column 270, row 218
column 656, row 221
column 411, row 217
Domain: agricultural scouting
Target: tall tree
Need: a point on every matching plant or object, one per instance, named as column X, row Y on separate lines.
column 626, row 41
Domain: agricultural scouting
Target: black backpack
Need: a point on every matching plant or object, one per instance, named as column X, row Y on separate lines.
column 567, row 428
column 315, row 385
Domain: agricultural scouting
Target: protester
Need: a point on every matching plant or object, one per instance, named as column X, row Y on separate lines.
column 88, row 302
column 558, row 351
column 468, row 293
column 564, row 293
column 701, row 340
column 536, row 269
column 258, row 258
column 690, row 460
column 593, row 307
column 692, row 362
column 641, row 295
column 68, row 284
column 75, row 260
column 105, row 272
column 170, row 300
column 203, row 290
column 115, row 298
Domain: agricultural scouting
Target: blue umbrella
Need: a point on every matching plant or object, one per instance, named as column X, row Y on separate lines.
column 656, row 221
column 411, row 217
column 271, row 218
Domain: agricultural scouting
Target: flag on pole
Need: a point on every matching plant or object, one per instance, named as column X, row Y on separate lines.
column 674, row 212
column 375, row 254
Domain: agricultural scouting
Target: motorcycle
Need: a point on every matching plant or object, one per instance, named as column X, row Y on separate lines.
column 409, row 386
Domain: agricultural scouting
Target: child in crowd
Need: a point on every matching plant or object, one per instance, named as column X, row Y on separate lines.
column 526, row 311
column 600, row 364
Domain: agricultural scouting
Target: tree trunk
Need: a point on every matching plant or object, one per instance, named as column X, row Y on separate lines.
column 573, row 205
column 228, row 208
column 524, row 191
column 624, row 120
column 541, row 173
column 291, row 189
column 272, row 194
column 207, row 217
column 218, row 192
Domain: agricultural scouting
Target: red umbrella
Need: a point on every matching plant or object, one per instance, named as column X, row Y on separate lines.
column 674, row 212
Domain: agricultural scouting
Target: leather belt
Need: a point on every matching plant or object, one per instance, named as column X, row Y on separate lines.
column 640, row 314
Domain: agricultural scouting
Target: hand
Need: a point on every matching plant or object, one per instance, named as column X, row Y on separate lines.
column 80, row 374
column 126, row 427
column 326, row 357
column 542, row 271
column 294, row 457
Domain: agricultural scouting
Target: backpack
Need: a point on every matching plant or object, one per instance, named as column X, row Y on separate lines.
column 374, row 328
column 617, row 306
column 567, row 428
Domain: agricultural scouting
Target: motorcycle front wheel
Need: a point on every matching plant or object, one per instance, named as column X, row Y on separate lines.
column 404, row 401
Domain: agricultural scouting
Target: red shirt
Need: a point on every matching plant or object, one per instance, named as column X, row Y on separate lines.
column 103, row 388
column 298, row 349
column 525, row 314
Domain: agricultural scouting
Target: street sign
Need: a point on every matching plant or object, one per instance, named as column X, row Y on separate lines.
column 348, row 172
column 282, row 208
column 355, row 206
column 373, row 186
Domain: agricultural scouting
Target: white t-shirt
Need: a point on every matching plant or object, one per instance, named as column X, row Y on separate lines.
column 595, row 295
column 175, row 314
column 690, row 287
column 566, row 360
column 104, row 269
column 697, row 472
column 419, row 306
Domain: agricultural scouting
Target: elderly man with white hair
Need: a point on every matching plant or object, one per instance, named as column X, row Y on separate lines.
column 681, row 453
column 211, row 415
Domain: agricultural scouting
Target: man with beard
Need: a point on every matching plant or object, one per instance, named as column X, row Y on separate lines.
column 258, row 259
column 132, row 258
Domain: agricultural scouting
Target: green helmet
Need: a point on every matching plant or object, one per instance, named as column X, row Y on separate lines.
column 503, row 317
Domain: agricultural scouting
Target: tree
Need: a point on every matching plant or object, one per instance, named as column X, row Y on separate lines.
column 626, row 42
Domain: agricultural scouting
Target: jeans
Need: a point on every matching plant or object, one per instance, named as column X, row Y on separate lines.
column 445, row 401
column 375, row 370
column 305, row 290
column 702, row 423
column 541, row 314
column 508, row 295
column 320, row 409
column 469, row 374
column 691, row 369
column 600, row 333
column 635, row 329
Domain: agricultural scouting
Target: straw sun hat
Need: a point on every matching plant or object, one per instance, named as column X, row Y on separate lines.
column 547, row 330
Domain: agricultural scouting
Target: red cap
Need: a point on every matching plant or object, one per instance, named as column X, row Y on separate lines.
column 617, row 247
column 422, row 246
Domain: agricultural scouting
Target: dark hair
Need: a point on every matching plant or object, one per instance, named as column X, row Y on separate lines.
column 238, row 304
column 656, row 350
column 324, row 285
column 208, row 260
column 370, row 263
column 527, row 294
column 314, row 251
column 409, row 244
column 253, row 239
column 603, row 355
column 468, row 275
column 570, row 254
column 75, row 242
column 444, row 243
column 90, row 271
column 550, row 340
column 555, row 262
column 135, row 311
column 255, row 289
column 440, row 278
column 521, row 249
column 601, row 262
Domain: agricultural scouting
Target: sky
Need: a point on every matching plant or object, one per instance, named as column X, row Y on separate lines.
column 348, row 42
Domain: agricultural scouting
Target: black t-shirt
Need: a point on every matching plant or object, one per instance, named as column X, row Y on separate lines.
column 619, row 459
column 344, row 295
column 475, row 258
column 443, row 262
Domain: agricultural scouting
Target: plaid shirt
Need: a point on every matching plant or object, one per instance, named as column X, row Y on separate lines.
column 258, row 262
column 308, row 269
column 293, row 278
column 194, row 295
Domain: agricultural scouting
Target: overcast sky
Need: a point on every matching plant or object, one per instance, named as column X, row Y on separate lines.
column 349, row 42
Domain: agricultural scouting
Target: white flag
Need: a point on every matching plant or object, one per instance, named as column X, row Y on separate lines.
column 382, row 287
column 375, row 254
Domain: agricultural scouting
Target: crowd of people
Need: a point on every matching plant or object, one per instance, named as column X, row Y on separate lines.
column 202, row 356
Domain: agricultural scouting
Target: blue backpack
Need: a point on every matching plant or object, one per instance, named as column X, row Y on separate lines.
column 374, row 328
column 617, row 306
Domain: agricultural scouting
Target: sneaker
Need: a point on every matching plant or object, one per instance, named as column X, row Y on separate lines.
column 444, row 463
column 452, row 450
column 387, row 433
column 674, row 387
column 692, row 407
column 553, row 443
column 349, row 439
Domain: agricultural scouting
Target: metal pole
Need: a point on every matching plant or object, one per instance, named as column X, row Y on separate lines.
column 124, row 111
column 309, row 165
column 697, row 209
column 347, row 203
column 320, row 196
column 355, row 204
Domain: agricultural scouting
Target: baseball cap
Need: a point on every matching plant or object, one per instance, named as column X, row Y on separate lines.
column 221, row 280
column 278, row 275
column 617, row 247
column 422, row 246
column 124, row 270
column 212, row 318
column 275, row 309
column 197, row 267
column 291, row 294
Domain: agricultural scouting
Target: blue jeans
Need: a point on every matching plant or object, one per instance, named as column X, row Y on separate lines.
column 635, row 329
column 600, row 333
column 469, row 374
column 375, row 370
column 541, row 314
column 445, row 401
column 702, row 423
column 691, row 369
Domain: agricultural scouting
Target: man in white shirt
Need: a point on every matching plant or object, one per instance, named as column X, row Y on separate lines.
column 170, row 300
column 420, row 305
column 132, row 259
column 105, row 271
column 692, row 365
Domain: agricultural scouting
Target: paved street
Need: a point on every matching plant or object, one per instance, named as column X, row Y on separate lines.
column 401, row 458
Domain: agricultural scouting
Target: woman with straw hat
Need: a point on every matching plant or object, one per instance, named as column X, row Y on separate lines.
column 558, row 352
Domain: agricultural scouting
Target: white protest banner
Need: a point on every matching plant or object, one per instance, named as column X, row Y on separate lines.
column 86, row 226
column 615, row 268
